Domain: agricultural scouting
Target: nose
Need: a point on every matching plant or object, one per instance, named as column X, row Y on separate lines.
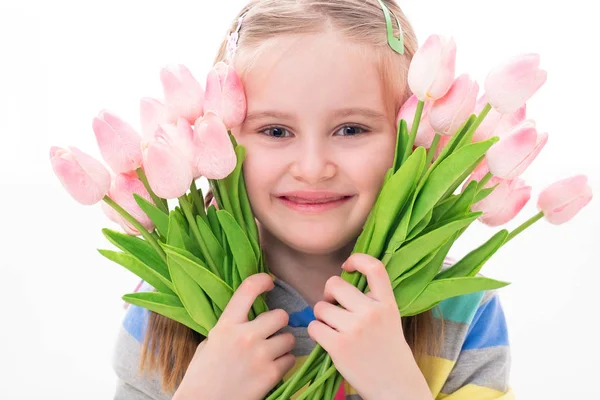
column 313, row 162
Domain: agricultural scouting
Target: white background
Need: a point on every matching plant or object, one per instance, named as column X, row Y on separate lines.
column 62, row 62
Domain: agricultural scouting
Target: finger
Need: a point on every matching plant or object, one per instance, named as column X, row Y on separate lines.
column 334, row 316
column 377, row 276
column 323, row 334
column 268, row 323
column 342, row 292
column 280, row 344
column 284, row 364
column 239, row 306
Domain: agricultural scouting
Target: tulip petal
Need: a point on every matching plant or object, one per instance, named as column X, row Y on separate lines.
column 510, row 207
column 225, row 95
column 216, row 157
column 562, row 200
column 507, row 158
column 184, row 96
column 119, row 143
column 152, row 114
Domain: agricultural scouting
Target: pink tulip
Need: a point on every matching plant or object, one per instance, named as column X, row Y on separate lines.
column 216, row 157
column 183, row 137
column 511, row 156
column 505, row 202
column 225, row 95
column 84, row 177
column 449, row 112
column 496, row 124
column 425, row 133
column 562, row 200
column 152, row 114
column 121, row 192
column 431, row 70
column 119, row 143
column 184, row 96
column 168, row 170
column 510, row 85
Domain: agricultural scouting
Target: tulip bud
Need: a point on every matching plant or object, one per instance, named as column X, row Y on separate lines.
column 496, row 124
column 505, row 202
column 431, row 70
column 215, row 158
column 425, row 133
column 84, row 177
column 448, row 113
column 121, row 192
column 511, row 156
column 183, row 137
column 225, row 95
column 168, row 171
column 510, row 85
column 152, row 114
column 184, row 96
column 119, row 143
column 562, row 200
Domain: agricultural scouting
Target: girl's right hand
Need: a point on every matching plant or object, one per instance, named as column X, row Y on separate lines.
column 239, row 359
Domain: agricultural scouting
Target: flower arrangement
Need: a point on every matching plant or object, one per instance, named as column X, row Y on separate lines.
column 458, row 159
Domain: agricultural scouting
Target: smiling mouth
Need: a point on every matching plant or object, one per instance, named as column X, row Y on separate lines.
column 313, row 205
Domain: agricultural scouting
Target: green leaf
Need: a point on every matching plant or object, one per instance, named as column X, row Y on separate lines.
column 155, row 278
column 412, row 252
column 445, row 175
column 156, row 215
column 401, row 143
column 138, row 248
column 232, row 186
column 217, row 290
column 195, row 301
column 179, row 237
column 464, row 202
column 401, row 232
column 252, row 228
column 393, row 197
column 471, row 264
column 166, row 305
column 457, row 139
column 440, row 209
column 439, row 290
column 213, row 221
column 483, row 193
column 212, row 243
column 420, row 226
column 240, row 246
column 408, row 289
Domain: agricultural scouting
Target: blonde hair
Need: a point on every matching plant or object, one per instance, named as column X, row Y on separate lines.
column 170, row 346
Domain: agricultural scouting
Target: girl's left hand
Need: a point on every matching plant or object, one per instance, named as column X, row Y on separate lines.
column 365, row 338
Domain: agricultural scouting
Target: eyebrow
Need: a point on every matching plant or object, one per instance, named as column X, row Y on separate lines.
column 344, row 112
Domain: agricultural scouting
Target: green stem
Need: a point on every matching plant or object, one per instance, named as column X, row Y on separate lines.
column 432, row 149
column 187, row 210
column 303, row 381
column 160, row 203
column 337, row 382
column 143, row 231
column 524, row 226
column 469, row 135
column 198, row 203
column 316, row 384
column 324, row 366
column 484, row 181
column 316, row 352
column 413, row 131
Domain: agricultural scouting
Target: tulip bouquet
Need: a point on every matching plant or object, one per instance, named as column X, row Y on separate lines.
column 457, row 160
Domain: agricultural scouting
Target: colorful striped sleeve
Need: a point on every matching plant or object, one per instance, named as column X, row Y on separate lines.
column 478, row 365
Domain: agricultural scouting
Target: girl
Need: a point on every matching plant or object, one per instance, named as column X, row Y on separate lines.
column 323, row 90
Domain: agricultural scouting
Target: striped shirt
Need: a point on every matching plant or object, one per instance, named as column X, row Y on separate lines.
column 474, row 363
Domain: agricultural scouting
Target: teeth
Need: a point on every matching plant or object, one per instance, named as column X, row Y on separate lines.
column 315, row 201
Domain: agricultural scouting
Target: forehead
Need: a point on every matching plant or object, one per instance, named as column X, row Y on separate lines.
column 313, row 73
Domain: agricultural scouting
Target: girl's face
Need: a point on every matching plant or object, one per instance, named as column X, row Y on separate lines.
column 317, row 124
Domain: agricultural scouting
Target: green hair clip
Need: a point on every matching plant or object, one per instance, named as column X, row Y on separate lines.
column 397, row 44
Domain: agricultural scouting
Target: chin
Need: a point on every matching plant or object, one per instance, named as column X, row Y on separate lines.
column 316, row 242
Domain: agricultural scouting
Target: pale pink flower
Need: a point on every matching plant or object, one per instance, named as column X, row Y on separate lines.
column 84, row 177
column 563, row 199
column 184, row 96
column 215, row 158
column 505, row 202
column 225, row 95
column 152, row 114
column 168, row 170
column 432, row 68
column 121, row 192
column 510, row 85
column 183, row 137
column 495, row 123
column 119, row 143
column 511, row 156
column 425, row 133
column 448, row 113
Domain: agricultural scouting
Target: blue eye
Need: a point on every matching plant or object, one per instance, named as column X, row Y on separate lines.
column 277, row 132
column 352, row 130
